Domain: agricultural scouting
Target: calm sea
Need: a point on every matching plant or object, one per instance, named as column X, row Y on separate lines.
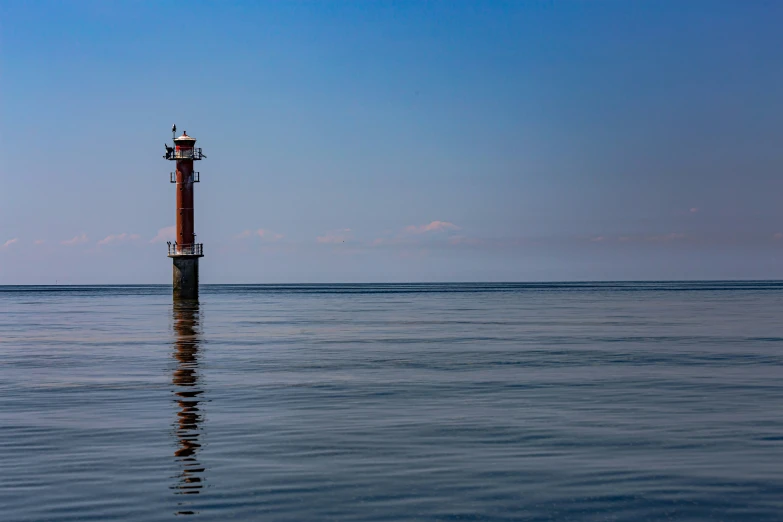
column 612, row 401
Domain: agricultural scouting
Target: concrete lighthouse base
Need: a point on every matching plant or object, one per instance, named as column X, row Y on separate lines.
column 185, row 277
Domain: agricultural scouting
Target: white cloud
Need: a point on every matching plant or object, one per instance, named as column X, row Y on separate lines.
column 267, row 235
column 336, row 236
column 434, row 226
column 10, row 242
column 404, row 237
column 118, row 238
column 77, row 240
column 165, row 234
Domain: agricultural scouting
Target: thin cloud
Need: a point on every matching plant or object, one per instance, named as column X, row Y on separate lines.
column 778, row 236
column 76, row 240
column 10, row 242
column 264, row 234
column 268, row 234
column 626, row 239
column 432, row 231
column 118, row 238
column 667, row 237
column 336, row 236
column 165, row 234
column 434, row 226
column 39, row 241
column 694, row 210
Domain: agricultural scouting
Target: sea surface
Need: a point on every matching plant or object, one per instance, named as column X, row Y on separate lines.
column 496, row 402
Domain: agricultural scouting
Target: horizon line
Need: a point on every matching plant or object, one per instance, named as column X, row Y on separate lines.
column 573, row 281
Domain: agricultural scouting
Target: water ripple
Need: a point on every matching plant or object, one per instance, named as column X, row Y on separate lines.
column 485, row 401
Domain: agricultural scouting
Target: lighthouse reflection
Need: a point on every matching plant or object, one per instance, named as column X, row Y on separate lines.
column 187, row 396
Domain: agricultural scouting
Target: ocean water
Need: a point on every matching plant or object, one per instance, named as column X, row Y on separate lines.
column 611, row 401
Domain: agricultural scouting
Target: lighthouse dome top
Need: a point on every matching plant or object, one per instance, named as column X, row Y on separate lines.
column 185, row 139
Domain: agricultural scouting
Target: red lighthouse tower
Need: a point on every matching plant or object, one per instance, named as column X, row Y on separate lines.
column 185, row 252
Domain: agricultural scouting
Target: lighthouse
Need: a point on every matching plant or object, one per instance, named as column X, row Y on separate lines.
column 184, row 252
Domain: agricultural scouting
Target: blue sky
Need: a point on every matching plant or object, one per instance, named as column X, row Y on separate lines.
column 394, row 141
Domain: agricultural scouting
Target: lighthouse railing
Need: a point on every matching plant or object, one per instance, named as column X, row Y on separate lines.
column 196, row 249
column 192, row 154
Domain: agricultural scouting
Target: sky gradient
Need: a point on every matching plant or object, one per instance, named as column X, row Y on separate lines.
column 394, row 141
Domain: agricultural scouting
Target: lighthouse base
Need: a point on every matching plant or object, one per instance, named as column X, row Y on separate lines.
column 185, row 277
